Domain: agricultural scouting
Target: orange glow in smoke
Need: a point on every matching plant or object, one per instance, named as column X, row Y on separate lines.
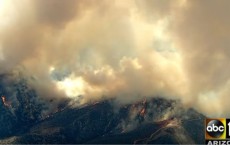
column 5, row 102
column 143, row 112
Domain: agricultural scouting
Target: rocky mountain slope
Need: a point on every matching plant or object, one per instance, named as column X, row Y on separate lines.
column 150, row 121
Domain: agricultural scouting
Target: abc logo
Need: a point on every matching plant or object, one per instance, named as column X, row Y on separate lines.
column 215, row 128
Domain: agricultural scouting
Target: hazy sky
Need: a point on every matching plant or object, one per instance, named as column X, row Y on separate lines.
column 125, row 48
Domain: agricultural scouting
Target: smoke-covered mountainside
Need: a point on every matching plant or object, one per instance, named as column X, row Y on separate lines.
column 112, row 71
column 121, row 48
column 158, row 120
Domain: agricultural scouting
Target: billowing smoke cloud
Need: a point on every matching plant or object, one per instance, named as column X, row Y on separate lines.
column 201, row 34
column 124, row 49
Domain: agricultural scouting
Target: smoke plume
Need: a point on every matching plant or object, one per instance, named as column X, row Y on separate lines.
column 123, row 49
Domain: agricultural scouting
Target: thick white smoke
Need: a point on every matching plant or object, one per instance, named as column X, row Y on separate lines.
column 124, row 49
